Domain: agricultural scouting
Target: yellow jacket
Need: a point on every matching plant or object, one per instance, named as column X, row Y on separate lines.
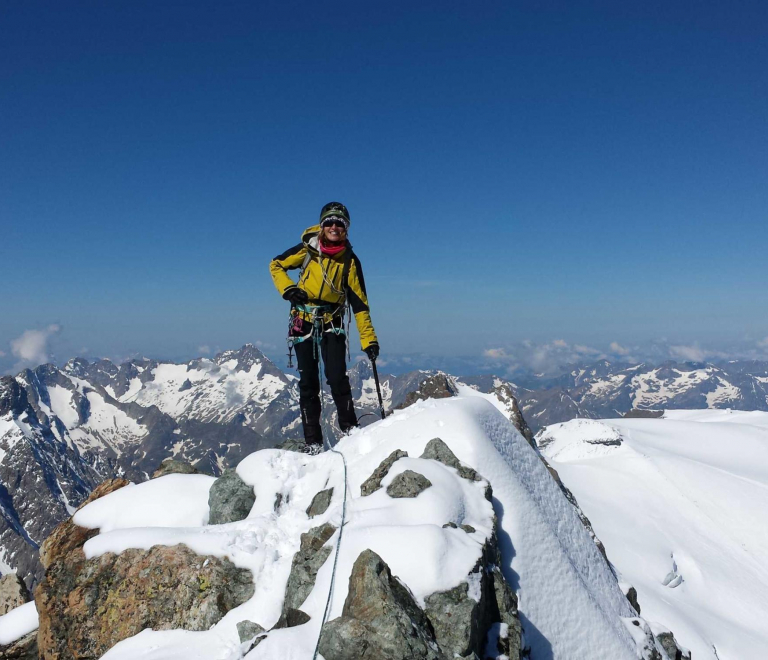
column 322, row 280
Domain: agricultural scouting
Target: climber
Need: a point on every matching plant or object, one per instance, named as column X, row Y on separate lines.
column 331, row 278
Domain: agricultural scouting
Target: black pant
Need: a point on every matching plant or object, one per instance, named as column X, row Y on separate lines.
column 333, row 350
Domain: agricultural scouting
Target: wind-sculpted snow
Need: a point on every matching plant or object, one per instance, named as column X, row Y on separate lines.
column 570, row 603
column 680, row 504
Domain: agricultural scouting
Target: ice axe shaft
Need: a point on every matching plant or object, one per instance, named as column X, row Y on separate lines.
column 378, row 387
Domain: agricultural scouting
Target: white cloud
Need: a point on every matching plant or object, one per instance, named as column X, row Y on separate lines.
column 204, row 349
column 32, row 346
column 560, row 343
column 495, row 353
column 2, row 353
column 265, row 346
column 689, row 353
column 617, row 348
column 586, row 350
column 763, row 343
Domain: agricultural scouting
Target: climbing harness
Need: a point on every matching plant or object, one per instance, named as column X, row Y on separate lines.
column 318, row 313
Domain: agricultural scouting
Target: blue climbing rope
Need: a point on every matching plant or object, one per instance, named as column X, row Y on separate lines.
column 336, row 557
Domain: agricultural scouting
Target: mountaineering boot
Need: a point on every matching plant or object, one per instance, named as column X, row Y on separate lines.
column 312, row 450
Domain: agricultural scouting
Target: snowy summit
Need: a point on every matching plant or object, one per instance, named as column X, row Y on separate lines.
column 448, row 511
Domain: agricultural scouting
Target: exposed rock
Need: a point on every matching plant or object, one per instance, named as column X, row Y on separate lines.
column 506, row 395
column 87, row 606
column 647, row 644
column 306, row 563
column 320, row 503
column 437, row 450
column 670, row 645
column 13, row 592
column 631, row 594
column 463, row 617
column 68, row 537
column 292, row 617
column 438, row 386
column 230, row 499
column 506, row 606
column 248, row 630
column 172, row 466
column 644, row 414
column 408, row 484
column 468, row 529
column 380, row 619
column 452, row 525
column 373, row 483
column 22, row 649
column 186, row 385
column 457, row 619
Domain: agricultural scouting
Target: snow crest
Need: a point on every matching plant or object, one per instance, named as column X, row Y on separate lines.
column 570, row 602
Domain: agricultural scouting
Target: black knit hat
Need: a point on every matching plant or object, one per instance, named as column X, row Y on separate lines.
column 336, row 209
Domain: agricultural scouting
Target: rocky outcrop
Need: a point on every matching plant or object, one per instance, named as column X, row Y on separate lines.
column 380, row 619
column 670, row 645
column 230, row 499
column 306, row 563
column 506, row 395
column 437, row 450
column 13, row 592
column 464, row 617
column 408, row 484
column 87, row 606
column 22, row 649
column 320, row 503
column 68, row 538
column 373, row 483
column 631, row 593
column 248, row 630
column 437, row 386
column 172, row 466
column 644, row 414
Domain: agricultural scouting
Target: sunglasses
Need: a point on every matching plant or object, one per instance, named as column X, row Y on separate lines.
column 334, row 222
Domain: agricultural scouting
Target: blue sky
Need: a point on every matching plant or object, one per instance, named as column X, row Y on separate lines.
column 590, row 172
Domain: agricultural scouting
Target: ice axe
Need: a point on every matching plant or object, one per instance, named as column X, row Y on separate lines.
column 378, row 387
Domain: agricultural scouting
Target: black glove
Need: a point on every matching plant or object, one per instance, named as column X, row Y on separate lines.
column 372, row 352
column 296, row 296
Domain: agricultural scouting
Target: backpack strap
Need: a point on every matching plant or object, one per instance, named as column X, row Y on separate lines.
column 345, row 270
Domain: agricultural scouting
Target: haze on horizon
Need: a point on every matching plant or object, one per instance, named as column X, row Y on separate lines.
column 528, row 180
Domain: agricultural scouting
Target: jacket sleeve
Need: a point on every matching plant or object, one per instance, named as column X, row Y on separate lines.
column 288, row 260
column 358, row 301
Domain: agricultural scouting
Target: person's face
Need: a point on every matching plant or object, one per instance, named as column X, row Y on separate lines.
column 334, row 231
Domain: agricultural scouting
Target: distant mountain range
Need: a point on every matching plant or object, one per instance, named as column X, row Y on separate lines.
column 604, row 390
column 63, row 430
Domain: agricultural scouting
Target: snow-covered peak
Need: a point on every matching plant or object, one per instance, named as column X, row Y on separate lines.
column 570, row 602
